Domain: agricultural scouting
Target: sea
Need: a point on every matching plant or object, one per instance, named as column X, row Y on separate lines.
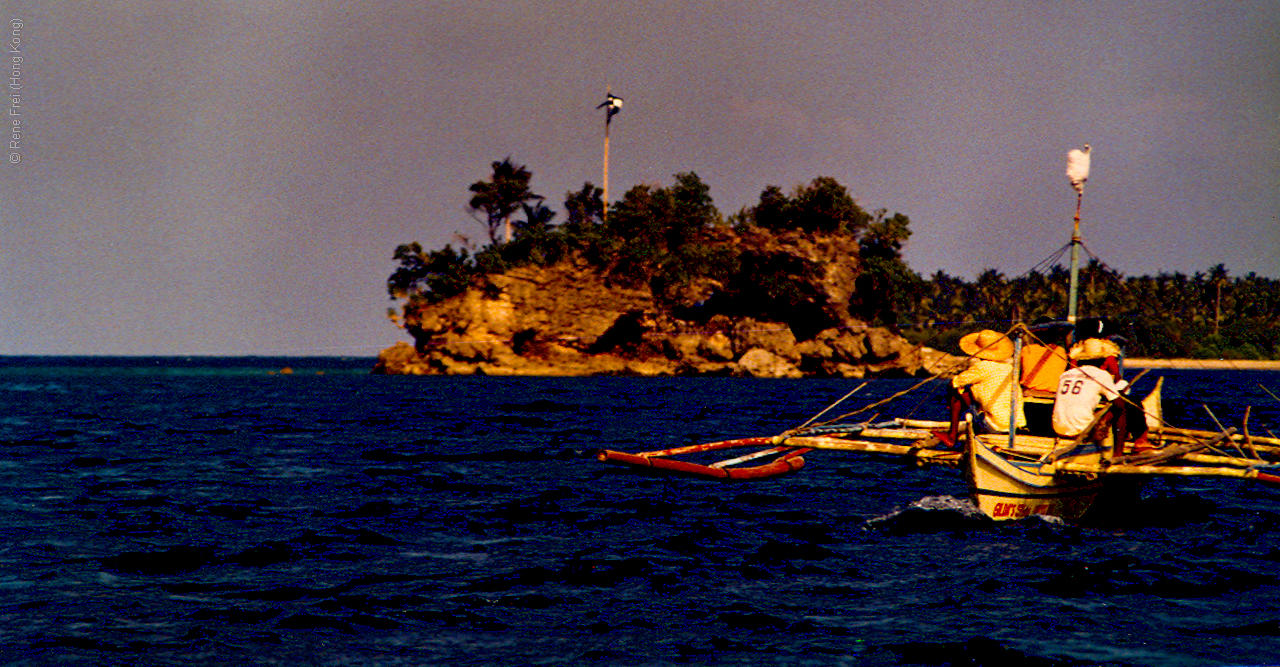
column 302, row 511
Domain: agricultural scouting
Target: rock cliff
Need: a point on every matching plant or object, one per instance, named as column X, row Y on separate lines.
column 564, row 320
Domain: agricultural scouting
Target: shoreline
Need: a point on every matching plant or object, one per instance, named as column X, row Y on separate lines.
column 1206, row 364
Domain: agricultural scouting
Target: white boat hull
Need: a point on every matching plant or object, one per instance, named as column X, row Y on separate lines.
column 1005, row 489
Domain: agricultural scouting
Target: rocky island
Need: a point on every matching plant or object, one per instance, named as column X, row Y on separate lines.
column 785, row 312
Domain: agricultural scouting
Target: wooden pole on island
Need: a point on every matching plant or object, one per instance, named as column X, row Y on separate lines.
column 612, row 104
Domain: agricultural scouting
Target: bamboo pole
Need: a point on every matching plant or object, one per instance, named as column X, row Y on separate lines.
column 921, row 455
column 605, row 214
column 750, row 457
column 922, row 423
column 608, row 118
column 829, row 407
column 1174, row 471
column 1170, row 453
column 1232, row 461
column 1074, row 291
column 1183, row 433
column 1015, row 408
column 708, row 447
column 844, row 445
column 1248, row 442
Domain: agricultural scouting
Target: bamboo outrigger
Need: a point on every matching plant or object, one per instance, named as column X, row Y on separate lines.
column 1027, row 476
column 1011, row 476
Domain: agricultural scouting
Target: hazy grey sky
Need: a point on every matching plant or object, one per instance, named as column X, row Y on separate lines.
column 232, row 177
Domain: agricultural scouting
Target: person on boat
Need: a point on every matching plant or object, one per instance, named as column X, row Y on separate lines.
column 988, row 383
column 1099, row 329
column 1042, row 361
column 1081, row 390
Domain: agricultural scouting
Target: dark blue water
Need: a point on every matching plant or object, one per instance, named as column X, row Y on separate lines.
column 195, row 512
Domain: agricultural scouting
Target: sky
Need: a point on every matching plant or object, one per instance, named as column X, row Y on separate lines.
column 230, row 177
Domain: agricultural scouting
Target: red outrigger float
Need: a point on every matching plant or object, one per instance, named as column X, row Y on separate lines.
column 787, row 459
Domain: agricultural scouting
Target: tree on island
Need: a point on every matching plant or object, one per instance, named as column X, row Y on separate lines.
column 673, row 240
column 501, row 196
column 823, row 205
column 886, row 285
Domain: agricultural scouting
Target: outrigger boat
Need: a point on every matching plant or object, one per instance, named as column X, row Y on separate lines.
column 1011, row 475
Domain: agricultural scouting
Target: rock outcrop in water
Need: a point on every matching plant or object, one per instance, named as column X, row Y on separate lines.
column 565, row 320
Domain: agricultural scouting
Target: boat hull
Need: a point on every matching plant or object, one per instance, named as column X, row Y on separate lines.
column 1006, row 489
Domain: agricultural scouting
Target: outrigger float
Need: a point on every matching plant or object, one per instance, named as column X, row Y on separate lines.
column 1011, row 475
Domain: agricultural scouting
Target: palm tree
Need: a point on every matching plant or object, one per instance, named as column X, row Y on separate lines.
column 1218, row 276
column 584, row 208
column 991, row 292
column 501, row 196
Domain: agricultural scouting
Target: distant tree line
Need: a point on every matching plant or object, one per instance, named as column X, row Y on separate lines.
column 1207, row 315
column 673, row 239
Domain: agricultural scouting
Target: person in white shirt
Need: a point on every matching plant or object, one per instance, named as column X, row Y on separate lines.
column 1081, row 389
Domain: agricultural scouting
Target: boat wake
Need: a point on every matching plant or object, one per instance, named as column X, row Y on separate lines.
column 946, row 503
column 936, row 514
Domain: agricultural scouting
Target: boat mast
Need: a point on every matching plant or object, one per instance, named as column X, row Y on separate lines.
column 1073, row 294
column 1077, row 173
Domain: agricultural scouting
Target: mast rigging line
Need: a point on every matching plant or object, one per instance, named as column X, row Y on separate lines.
column 1056, row 257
